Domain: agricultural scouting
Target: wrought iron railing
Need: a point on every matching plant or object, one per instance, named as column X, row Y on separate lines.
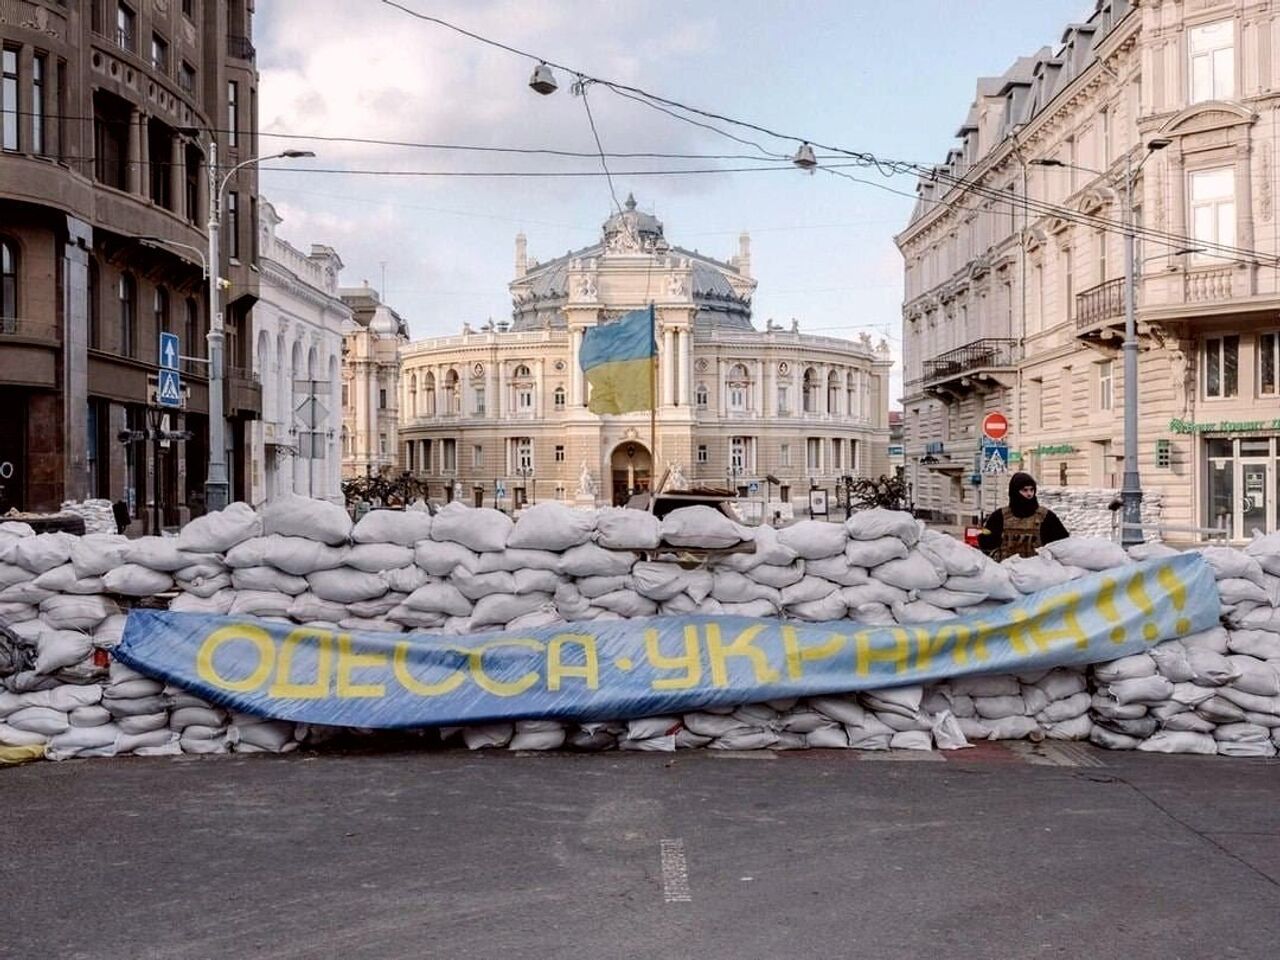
column 240, row 47
column 977, row 355
column 1103, row 302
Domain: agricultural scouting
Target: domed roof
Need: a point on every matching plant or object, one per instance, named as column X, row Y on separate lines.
column 384, row 322
column 633, row 231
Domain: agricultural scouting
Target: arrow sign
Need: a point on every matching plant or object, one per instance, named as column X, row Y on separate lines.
column 169, row 389
column 169, row 351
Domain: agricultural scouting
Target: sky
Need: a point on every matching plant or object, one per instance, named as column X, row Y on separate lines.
column 852, row 74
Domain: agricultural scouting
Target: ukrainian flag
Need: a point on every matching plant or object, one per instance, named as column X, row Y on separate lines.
column 617, row 359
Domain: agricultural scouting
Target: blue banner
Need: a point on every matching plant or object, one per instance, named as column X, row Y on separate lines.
column 653, row 665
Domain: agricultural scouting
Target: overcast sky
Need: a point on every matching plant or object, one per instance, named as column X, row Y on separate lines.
column 850, row 73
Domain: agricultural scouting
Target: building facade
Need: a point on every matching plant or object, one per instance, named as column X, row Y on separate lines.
column 299, row 322
column 104, row 111
column 1015, row 297
column 500, row 416
column 370, row 397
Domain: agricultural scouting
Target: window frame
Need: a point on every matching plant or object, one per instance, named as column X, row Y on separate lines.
column 126, row 39
column 233, row 113
column 702, row 454
column 558, row 453
column 127, row 303
column 1225, row 390
column 160, row 45
column 1261, row 350
column 1106, row 385
column 9, row 286
column 10, row 97
column 1217, row 205
column 1211, row 52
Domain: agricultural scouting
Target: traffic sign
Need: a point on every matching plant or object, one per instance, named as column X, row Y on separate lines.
column 753, row 487
column 995, row 458
column 169, row 389
column 995, row 426
column 500, row 490
column 169, row 351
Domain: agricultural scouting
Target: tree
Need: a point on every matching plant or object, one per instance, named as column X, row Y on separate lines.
column 887, row 492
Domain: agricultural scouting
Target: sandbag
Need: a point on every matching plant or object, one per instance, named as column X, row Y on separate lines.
column 64, row 579
column 551, row 525
column 221, row 530
column 405, row 579
column 872, row 553
column 473, row 586
column 1088, row 553
column 622, row 528
column 131, row 580
column 40, row 553
column 590, row 560
column 772, row 575
column 260, row 603
column 346, row 586
column 441, row 558
column 481, row 529
column 291, row 515
column 701, row 526
column 62, row 648
column 838, row 570
column 296, row 555
column 1033, row 574
column 377, row 557
column 268, row 578
column 77, row 612
column 954, row 556
column 402, row 527
column 914, row 572
column 1170, row 741
column 500, row 609
column 877, row 522
column 439, row 598
column 161, row 553
column 814, row 539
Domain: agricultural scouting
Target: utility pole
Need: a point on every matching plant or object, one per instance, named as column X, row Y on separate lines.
column 217, row 489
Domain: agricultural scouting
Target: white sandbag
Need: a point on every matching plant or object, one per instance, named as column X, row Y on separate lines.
column 1254, row 676
column 1234, row 590
column 814, row 539
column 1105, row 705
column 992, row 579
column 622, row 528
column 1170, row 741
column 947, row 732
column 11, row 574
column 346, row 586
column 1152, row 550
column 414, row 619
column 776, row 576
column 1250, row 702
column 481, row 529
column 830, row 607
column 294, row 516
column 204, row 586
column 161, row 553
column 920, row 611
column 1215, row 639
column 64, row 579
column 628, row 603
column 1060, row 711
column 219, row 603
column 838, row 570
column 377, row 607
column 439, row 597
column 1209, row 668
column 402, row 527
column 260, row 603
column 369, row 624
column 537, row 735
column 767, row 549
column 268, row 578
column 872, row 553
column 573, row 606
column 110, row 631
column 662, row 581
column 13, row 529
column 830, row 736
column 1140, row 690
column 473, row 586
column 195, row 745
column 729, row 586
column 1088, row 553
column 62, row 648
column 1171, row 661
column 273, row 736
column 144, row 723
column 542, row 617
column 1126, row 668
column 590, row 560
column 954, row 556
column 184, row 717
column 221, row 530
column 13, row 737
column 1262, row 644
column 1229, row 563
column 877, row 522
column 28, row 592
column 645, row 728
column 904, row 701
column 296, row 555
column 1220, row 710
column 132, row 580
column 512, row 560
column 1190, row 723
column 405, row 579
column 1033, row 574
column 377, row 557
column 665, row 744
column 701, row 526
column 42, row 720
column 552, row 525
column 952, row 600
column 499, row 609
column 93, row 715
column 1241, row 733
column 745, row 739
column 77, row 612
column 912, row 740
column 153, row 743
column 1013, row 728
column 536, row 581
column 994, row 708
column 804, row 590
column 1246, row 748
column 40, row 553
column 441, row 558
column 914, row 572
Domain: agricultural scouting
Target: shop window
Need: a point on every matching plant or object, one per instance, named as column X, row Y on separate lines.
column 1211, row 48
column 1221, row 366
column 1268, row 364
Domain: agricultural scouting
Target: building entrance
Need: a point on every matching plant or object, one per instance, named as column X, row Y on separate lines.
column 13, row 446
column 631, row 467
column 1243, row 484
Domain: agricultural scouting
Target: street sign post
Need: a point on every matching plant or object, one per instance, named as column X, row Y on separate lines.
column 995, row 426
column 169, row 389
column 170, row 351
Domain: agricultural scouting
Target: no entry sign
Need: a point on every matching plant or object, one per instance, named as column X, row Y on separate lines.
column 995, row 426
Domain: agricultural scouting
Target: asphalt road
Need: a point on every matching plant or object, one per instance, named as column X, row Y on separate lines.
column 819, row 854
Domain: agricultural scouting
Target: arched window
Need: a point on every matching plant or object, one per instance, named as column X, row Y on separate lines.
column 127, row 297
column 558, row 398
column 522, row 387
column 522, row 373
column 850, row 389
column 8, row 286
column 429, row 392
column 810, row 390
column 451, row 393
column 700, row 395
column 739, row 385
column 413, row 394
column 833, row 393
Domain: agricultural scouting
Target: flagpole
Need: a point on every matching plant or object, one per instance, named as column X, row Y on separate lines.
column 653, row 399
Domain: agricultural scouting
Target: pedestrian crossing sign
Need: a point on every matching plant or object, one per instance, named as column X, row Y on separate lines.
column 995, row 458
column 169, row 389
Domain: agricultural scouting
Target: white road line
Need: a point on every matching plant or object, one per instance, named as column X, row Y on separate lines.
column 675, row 872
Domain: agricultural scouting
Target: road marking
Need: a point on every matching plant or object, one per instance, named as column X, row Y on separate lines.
column 675, row 872
column 1055, row 753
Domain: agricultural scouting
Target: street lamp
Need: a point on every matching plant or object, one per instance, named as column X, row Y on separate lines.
column 160, row 243
column 217, row 487
column 1131, row 488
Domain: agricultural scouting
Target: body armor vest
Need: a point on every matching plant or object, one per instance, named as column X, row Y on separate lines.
column 1021, row 535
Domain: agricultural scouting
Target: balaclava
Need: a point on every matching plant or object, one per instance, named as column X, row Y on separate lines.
column 1020, row 505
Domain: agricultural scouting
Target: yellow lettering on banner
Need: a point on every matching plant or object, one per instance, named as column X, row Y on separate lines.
column 261, row 641
column 284, row 685
column 797, row 655
column 557, row 669
column 400, row 666
column 970, row 641
column 742, row 646
column 928, row 645
column 1168, row 578
column 690, row 662
column 899, row 655
column 501, row 688
column 349, row 660
column 1030, row 631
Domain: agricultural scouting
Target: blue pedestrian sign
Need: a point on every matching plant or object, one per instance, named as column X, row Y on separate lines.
column 169, row 351
column 169, row 389
column 995, row 457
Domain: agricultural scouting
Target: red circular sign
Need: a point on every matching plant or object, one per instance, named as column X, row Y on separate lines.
column 995, row 426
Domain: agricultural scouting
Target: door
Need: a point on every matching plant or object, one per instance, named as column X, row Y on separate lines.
column 13, row 445
column 1255, row 509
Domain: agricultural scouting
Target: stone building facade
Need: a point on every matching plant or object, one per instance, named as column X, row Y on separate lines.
column 370, row 397
column 1016, row 306
column 102, row 235
column 499, row 415
column 298, row 321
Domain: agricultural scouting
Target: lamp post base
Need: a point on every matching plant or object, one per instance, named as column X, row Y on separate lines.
column 217, row 494
column 1131, row 533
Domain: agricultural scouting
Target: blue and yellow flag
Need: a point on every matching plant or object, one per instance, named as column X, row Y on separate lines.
column 617, row 358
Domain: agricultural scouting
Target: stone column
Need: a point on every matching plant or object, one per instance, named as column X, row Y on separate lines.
column 502, row 389
column 577, row 397
column 491, row 391
column 757, row 389
column 539, row 384
column 722, row 380
column 177, row 187
column 685, row 369
column 1244, row 197
column 769, row 381
column 668, row 360
column 136, row 177
column 75, row 359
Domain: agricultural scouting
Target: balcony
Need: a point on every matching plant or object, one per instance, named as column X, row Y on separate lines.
column 240, row 47
column 978, row 367
column 1100, row 313
column 243, row 394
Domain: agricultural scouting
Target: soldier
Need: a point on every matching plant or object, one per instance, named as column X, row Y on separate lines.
column 1023, row 527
